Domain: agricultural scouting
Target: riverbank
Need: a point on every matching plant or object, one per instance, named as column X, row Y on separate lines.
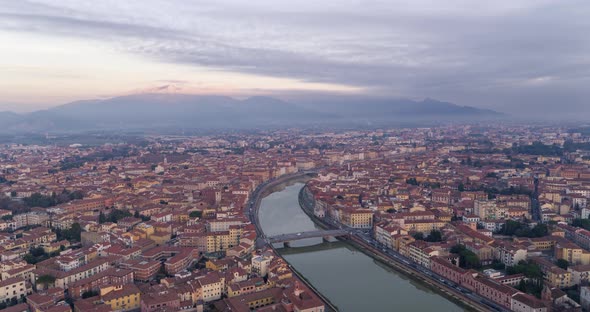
column 352, row 280
column 375, row 253
column 254, row 207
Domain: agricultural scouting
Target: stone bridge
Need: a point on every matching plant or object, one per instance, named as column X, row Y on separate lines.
column 287, row 238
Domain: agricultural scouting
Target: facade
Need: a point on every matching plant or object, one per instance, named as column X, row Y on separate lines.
column 260, row 264
column 527, row 303
column 14, row 289
column 357, row 218
column 121, row 297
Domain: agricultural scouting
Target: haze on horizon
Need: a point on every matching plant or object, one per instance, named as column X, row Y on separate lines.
column 520, row 57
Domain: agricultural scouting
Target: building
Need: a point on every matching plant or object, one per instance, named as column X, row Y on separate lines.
column 161, row 301
column 211, row 287
column 143, row 270
column 357, row 218
column 260, row 264
column 121, row 297
column 14, row 289
column 111, row 276
column 527, row 303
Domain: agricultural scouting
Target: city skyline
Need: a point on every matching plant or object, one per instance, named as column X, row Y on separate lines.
column 518, row 57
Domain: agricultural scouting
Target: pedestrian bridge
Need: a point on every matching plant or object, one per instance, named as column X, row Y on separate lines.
column 286, row 238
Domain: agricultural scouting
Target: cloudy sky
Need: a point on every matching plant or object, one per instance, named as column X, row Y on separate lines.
column 517, row 56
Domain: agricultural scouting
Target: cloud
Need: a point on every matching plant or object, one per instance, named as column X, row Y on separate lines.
column 469, row 52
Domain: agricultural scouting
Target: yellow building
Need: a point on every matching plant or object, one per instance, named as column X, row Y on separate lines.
column 543, row 243
column 146, row 228
column 357, row 218
column 424, row 226
column 53, row 247
column 13, row 288
column 402, row 243
column 558, row 277
column 219, row 241
column 160, row 238
column 121, row 297
column 571, row 252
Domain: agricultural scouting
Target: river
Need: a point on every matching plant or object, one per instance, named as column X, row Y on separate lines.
column 350, row 279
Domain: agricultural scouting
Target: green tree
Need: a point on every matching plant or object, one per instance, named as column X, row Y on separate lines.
column 562, row 263
column 461, row 187
column 434, row 236
column 582, row 223
column 89, row 294
column 467, row 259
column 46, row 280
column 76, row 232
column 102, row 218
column 117, row 215
column 510, row 227
column 196, row 214
column 529, row 269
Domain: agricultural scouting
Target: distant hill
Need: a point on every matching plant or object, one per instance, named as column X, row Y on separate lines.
column 154, row 111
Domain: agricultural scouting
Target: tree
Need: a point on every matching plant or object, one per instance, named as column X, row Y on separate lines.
column 461, row 187
column 89, row 294
column 582, row 223
column 492, row 175
column 136, row 214
column 510, row 227
column 540, row 230
column 418, row 236
column 529, row 269
column 75, row 195
column 467, row 259
column 196, row 214
column 73, row 233
column 46, row 280
column 497, row 265
column 38, row 200
column 117, row 215
column 434, row 236
column 562, row 263
column 35, row 255
column 102, row 218
column 521, row 285
column 76, row 232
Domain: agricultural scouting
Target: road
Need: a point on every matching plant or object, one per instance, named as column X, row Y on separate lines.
column 364, row 238
column 252, row 212
column 535, row 207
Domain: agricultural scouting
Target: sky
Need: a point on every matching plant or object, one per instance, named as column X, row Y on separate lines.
column 517, row 56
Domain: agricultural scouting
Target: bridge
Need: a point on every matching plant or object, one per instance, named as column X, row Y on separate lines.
column 287, row 238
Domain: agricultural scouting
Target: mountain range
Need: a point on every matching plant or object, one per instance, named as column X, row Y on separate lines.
column 154, row 111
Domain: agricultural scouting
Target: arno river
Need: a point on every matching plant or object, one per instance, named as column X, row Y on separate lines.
column 349, row 278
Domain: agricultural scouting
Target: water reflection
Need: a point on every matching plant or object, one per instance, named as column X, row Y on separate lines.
column 350, row 279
